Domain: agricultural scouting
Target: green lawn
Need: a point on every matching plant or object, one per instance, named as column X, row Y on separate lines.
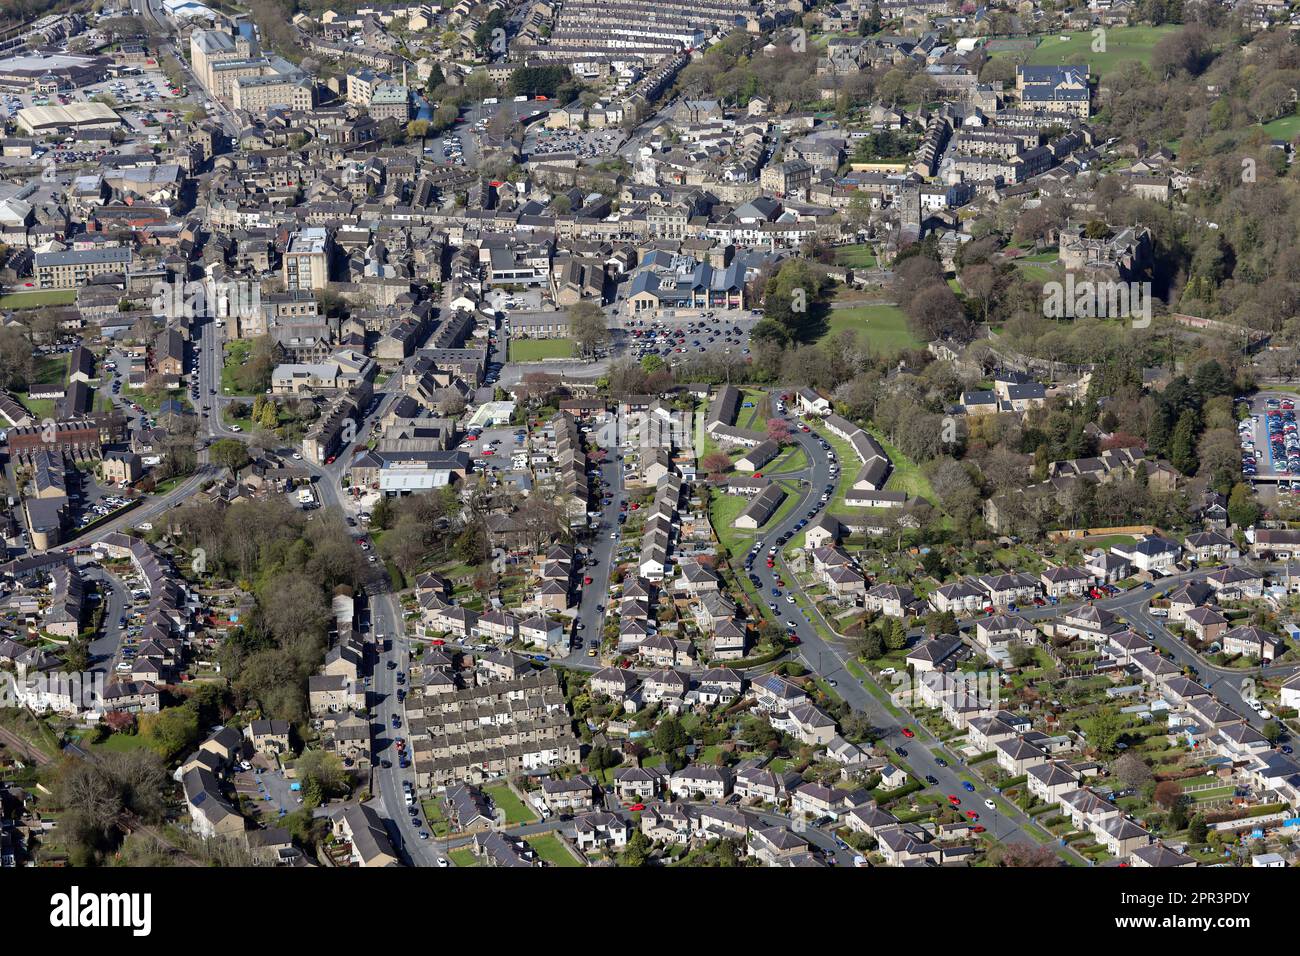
column 509, row 804
column 38, row 298
column 41, row 408
column 1123, row 45
column 724, row 510
column 463, row 857
column 857, row 256
column 882, row 327
column 550, row 849
column 534, row 350
column 792, row 460
column 906, row 474
column 122, row 743
column 1285, row 128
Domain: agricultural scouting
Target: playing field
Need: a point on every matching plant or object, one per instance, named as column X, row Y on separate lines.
column 534, row 350
column 37, row 299
column 1123, row 45
column 882, row 327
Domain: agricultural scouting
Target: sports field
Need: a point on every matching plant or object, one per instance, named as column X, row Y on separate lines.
column 1122, row 45
column 882, row 327
column 534, row 350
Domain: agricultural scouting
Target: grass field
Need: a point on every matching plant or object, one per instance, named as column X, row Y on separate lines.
column 1123, row 45
column 463, row 856
column 882, row 327
column 550, row 849
column 1285, row 128
column 41, row 297
column 509, row 804
column 534, row 350
column 855, row 257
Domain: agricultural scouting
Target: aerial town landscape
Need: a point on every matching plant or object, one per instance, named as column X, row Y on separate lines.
column 650, row 433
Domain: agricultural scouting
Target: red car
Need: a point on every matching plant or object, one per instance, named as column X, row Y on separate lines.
column 954, row 799
column 635, row 506
column 488, row 451
column 637, row 807
column 979, row 828
column 771, row 564
column 758, row 474
column 794, row 639
column 587, row 579
column 471, row 438
column 329, row 460
column 907, row 732
column 972, row 815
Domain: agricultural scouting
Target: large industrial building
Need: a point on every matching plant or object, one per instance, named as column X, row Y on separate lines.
column 46, row 72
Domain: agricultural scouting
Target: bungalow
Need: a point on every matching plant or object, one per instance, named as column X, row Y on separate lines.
column 759, row 456
column 760, row 511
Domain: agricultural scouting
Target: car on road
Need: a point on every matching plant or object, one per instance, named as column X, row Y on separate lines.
column 939, row 761
column 954, row 799
column 968, row 786
column 990, row 805
column 931, row 779
column 908, row 733
column 900, row 751
column 972, row 815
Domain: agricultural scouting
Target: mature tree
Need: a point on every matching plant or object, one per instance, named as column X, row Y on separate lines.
column 716, row 463
column 1107, row 727
column 229, row 453
column 1133, row 770
column 670, row 736
column 587, row 326
column 778, row 430
column 1025, row 855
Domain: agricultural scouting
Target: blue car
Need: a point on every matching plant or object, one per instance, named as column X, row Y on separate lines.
column 968, row 786
column 776, row 592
